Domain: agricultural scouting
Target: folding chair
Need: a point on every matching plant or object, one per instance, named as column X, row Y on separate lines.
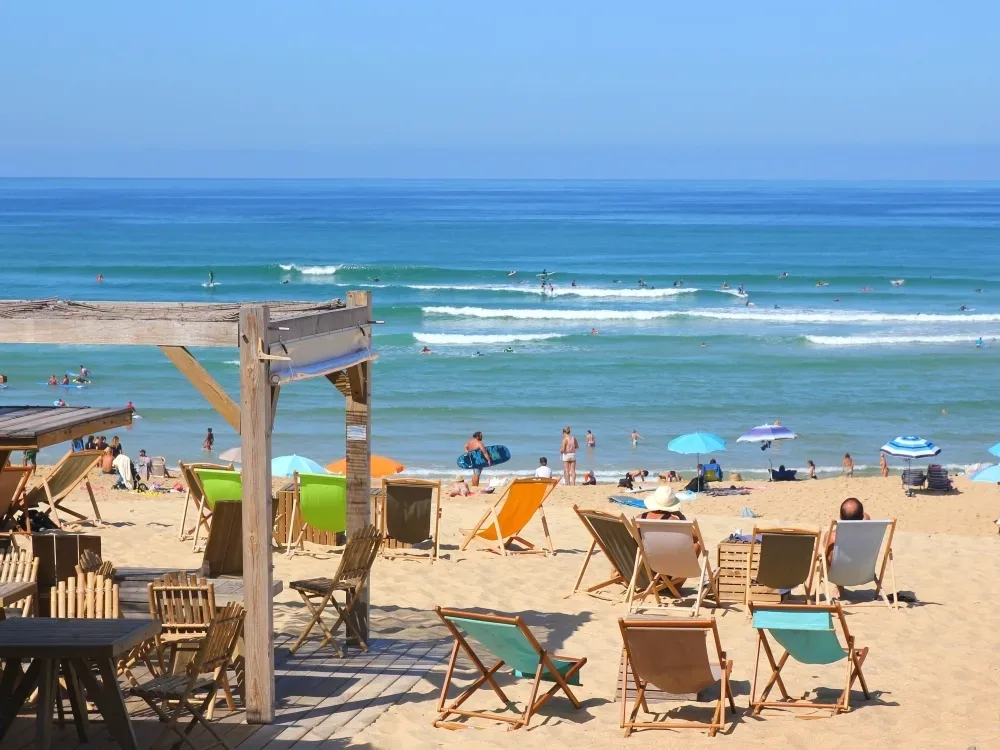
column 856, row 549
column 508, row 639
column 788, row 558
column 355, row 566
column 409, row 513
column 615, row 536
column 13, row 480
column 501, row 525
column 669, row 549
column 807, row 634
column 57, row 485
column 185, row 605
column 157, row 467
column 666, row 659
column 196, row 496
column 321, row 501
column 204, row 674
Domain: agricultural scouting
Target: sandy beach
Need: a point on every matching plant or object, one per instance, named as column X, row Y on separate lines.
column 932, row 666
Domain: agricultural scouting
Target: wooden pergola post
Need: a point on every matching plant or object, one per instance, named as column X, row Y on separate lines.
column 358, row 450
column 255, row 442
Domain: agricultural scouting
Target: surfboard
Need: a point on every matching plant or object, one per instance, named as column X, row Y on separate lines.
column 475, row 460
column 61, row 385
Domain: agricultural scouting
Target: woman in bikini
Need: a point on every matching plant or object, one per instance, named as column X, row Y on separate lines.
column 567, row 452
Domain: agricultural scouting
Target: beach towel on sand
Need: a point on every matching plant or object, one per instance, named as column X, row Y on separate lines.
column 631, row 502
column 728, row 492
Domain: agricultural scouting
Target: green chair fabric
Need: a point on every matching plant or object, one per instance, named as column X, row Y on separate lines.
column 323, row 501
column 506, row 641
column 808, row 637
column 220, row 486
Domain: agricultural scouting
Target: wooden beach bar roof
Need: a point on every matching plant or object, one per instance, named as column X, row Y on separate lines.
column 23, row 427
column 279, row 343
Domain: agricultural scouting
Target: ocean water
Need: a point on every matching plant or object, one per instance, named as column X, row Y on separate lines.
column 847, row 365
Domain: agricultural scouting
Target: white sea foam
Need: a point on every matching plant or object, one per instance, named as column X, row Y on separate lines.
column 458, row 339
column 231, row 362
column 310, row 270
column 744, row 314
column 889, row 340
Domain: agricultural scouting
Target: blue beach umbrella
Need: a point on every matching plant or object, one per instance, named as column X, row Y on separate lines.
column 697, row 443
column 995, row 450
column 285, row 466
column 989, row 474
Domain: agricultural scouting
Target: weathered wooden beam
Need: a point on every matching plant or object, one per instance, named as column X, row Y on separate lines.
column 205, row 384
column 275, row 392
column 339, row 380
column 358, row 452
column 117, row 332
column 71, row 432
column 315, row 324
column 355, row 383
column 255, row 442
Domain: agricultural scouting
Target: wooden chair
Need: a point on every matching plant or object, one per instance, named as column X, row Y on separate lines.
column 513, row 644
column 57, row 485
column 355, row 566
column 409, row 512
column 501, row 525
column 855, row 555
column 13, row 480
column 669, row 550
column 196, row 496
column 185, row 605
column 19, row 567
column 204, row 674
column 788, row 558
column 615, row 536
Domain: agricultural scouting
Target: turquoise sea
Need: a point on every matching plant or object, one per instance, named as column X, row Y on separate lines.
column 848, row 365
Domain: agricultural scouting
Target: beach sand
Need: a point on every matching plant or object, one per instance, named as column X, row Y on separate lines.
column 932, row 667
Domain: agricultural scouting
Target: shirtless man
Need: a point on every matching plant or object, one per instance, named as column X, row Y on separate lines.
column 476, row 444
column 850, row 510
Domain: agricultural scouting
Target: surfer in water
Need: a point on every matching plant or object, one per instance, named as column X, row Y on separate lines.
column 476, row 444
column 511, row 273
column 963, row 308
column 725, row 284
column 52, row 380
column 979, row 343
column 376, row 279
column 573, row 283
column 784, row 275
column 740, row 289
column 642, row 284
column 425, row 350
column 211, row 278
column 84, row 372
column 509, row 349
column 65, row 380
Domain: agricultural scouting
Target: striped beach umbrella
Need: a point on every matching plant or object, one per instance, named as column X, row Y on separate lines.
column 766, row 433
column 910, row 447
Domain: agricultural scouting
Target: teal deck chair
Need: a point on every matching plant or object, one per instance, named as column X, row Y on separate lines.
column 321, row 501
column 508, row 639
column 807, row 634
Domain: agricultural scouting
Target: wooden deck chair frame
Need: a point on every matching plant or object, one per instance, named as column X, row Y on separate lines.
column 445, row 709
column 352, row 573
column 619, row 579
column 56, row 497
column 15, row 501
column 887, row 560
column 855, row 660
column 408, row 553
column 491, row 517
column 213, row 657
column 20, row 567
column 628, row 673
column 196, row 496
column 813, row 567
column 708, row 582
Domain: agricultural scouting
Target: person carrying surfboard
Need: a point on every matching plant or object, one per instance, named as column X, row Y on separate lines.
column 476, row 444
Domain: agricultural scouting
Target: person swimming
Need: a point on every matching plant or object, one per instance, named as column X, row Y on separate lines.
column 642, row 284
column 425, row 350
column 376, row 279
column 478, row 354
column 573, row 283
column 594, row 331
column 615, row 281
column 509, row 349
column 65, row 380
column 100, row 278
column 784, row 275
column 511, row 273
column 52, row 380
column 866, row 289
column 963, row 308
column 725, row 284
column 979, row 343
column 977, row 291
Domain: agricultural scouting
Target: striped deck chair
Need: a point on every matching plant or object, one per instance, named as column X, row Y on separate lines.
column 938, row 479
column 788, row 558
column 56, row 486
column 409, row 513
column 807, row 634
column 855, row 559
column 672, row 660
column 508, row 639
column 13, row 480
column 501, row 525
column 669, row 551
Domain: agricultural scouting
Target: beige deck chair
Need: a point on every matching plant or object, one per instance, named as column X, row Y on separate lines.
column 668, row 660
column 501, row 525
column 856, row 555
column 157, row 467
column 196, row 497
column 56, row 486
column 409, row 513
column 204, row 674
column 788, row 558
column 668, row 547
column 19, row 567
column 615, row 536
column 317, row 593
column 13, row 480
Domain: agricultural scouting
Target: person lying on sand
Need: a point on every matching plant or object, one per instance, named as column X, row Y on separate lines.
column 670, row 476
column 459, row 488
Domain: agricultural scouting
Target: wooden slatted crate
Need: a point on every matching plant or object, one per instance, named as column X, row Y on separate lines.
column 283, row 514
column 732, row 563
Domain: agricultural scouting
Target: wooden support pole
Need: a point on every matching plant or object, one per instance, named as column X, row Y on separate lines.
column 255, row 441
column 207, row 386
column 358, row 452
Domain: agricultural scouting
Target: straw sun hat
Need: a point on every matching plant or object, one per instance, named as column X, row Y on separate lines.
column 663, row 499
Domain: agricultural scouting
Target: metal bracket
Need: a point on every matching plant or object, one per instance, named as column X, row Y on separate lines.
column 261, row 354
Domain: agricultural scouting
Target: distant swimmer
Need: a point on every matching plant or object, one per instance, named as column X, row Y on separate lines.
column 784, row 275
column 866, row 289
column 84, row 372
column 977, row 291
column 511, row 273
column 425, row 350
column 964, row 308
column 703, row 345
column 100, row 278
column 615, row 281
column 376, row 279
column 284, row 281
column 898, row 282
column 979, row 343
column 836, row 299
column 509, row 349
column 642, row 284
column 573, row 283
column 52, row 380
column 59, row 402
column 594, row 331
column 776, row 307
column 211, row 278
column 636, row 437
column 478, row 354
column 65, row 380
column 725, row 284
column 822, row 283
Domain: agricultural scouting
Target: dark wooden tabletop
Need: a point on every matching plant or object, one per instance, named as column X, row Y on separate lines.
column 52, row 638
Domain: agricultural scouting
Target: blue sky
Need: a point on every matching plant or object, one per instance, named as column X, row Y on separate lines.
column 480, row 88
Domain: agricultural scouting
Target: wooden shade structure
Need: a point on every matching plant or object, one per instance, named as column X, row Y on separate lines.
column 27, row 427
column 279, row 342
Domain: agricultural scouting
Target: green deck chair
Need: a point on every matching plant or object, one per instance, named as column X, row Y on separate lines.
column 509, row 639
column 321, row 501
column 808, row 636
column 220, row 486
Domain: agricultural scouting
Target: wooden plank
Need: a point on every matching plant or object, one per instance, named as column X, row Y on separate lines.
column 40, row 428
column 315, row 324
column 118, row 332
column 52, row 638
column 255, row 441
column 204, row 383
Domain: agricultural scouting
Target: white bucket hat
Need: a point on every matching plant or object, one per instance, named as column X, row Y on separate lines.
column 663, row 499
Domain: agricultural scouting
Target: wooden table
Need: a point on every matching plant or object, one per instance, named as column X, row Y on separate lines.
column 16, row 591
column 75, row 646
column 134, row 596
